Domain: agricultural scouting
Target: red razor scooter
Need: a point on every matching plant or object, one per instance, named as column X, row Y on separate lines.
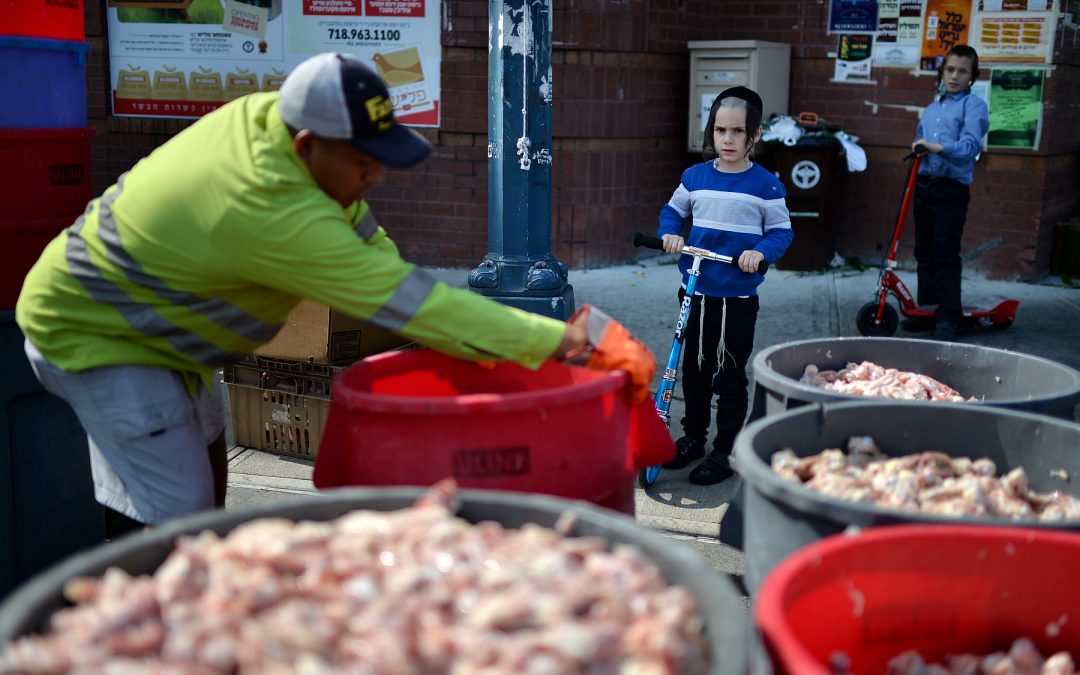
column 880, row 319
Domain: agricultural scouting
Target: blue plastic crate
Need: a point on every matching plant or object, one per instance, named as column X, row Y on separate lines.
column 47, row 506
column 43, row 83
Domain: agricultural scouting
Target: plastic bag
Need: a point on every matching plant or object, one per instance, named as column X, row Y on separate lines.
column 784, row 129
column 856, row 156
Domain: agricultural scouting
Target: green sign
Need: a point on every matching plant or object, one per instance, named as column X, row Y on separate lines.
column 1015, row 109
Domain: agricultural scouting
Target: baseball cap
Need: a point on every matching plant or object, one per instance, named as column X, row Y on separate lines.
column 336, row 96
column 748, row 95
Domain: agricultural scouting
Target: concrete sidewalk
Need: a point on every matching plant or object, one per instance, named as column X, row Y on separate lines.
column 794, row 306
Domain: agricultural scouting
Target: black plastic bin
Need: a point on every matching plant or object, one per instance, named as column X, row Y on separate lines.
column 810, row 171
column 47, row 506
column 996, row 377
column 726, row 621
column 781, row 516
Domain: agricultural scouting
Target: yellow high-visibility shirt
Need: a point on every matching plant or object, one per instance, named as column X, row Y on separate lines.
column 197, row 254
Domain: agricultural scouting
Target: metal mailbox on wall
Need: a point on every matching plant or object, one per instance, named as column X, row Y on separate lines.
column 719, row 64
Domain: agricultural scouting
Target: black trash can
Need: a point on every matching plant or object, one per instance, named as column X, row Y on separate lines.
column 810, row 171
column 47, row 505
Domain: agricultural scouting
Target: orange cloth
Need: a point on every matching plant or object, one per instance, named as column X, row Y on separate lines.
column 613, row 347
column 650, row 441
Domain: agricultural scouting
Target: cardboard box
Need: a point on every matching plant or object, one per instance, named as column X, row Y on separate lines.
column 317, row 334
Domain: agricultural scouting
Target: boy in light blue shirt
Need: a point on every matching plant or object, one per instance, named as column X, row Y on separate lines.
column 951, row 130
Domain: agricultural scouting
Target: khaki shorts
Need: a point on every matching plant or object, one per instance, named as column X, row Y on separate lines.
column 148, row 437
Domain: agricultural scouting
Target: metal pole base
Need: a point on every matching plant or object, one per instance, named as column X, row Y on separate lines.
column 559, row 307
column 534, row 286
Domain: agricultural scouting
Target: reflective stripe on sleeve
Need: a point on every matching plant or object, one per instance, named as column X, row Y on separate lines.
column 143, row 317
column 406, row 301
column 367, row 227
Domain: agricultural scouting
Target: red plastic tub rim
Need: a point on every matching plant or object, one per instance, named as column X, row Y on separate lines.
column 769, row 603
column 468, row 404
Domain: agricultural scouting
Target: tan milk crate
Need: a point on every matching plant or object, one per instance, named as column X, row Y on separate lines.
column 279, row 406
column 277, row 421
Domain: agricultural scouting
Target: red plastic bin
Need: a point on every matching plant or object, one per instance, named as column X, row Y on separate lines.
column 57, row 19
column 415, row 417
column 941, row 589
column 22, row 243
column 45, row 173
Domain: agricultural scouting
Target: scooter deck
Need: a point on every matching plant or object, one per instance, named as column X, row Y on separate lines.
column 994, row 304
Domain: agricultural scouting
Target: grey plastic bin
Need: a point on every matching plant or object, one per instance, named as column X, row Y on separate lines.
column 782, row 517
column 726, row 621
column 997, row 377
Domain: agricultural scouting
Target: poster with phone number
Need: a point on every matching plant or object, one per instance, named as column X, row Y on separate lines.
column 185, row 58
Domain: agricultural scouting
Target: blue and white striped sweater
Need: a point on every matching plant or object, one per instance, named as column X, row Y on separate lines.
column 731, row 212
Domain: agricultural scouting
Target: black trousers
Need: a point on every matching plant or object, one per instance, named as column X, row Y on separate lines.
column 940, row 208
column 703, row 378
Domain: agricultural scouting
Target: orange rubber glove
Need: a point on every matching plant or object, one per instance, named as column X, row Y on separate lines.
column 612, row 347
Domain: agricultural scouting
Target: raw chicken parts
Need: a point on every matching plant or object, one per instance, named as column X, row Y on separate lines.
column 929, row 482
column 870, row 379
column 414, row 591
column 1021, row 659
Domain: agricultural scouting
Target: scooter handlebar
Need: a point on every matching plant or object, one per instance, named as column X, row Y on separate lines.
column 918, row 151
column 648, row 242
column 658, row 244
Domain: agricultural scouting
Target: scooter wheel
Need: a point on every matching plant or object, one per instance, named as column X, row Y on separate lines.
column 647, row 476
column 865, row 320
column 1000, row 325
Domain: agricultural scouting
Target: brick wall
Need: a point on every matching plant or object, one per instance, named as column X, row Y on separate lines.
column 620, row 71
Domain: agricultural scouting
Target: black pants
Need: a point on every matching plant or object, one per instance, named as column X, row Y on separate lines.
column 941, row 206
column 709, row 376
column 118, row 524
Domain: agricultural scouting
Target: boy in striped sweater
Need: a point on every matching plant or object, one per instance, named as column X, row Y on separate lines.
column 736, row 208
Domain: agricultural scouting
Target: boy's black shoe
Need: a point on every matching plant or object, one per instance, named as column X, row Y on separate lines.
column 686, row 450
column 713, row 470
column 945, row 331
column 917, row 324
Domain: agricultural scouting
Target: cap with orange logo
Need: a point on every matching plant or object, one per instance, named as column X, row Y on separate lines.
column 336, row 96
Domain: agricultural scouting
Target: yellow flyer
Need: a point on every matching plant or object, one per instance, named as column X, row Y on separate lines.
column 1012, row 37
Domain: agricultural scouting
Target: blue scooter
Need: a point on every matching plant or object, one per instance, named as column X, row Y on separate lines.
column 667, row 385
